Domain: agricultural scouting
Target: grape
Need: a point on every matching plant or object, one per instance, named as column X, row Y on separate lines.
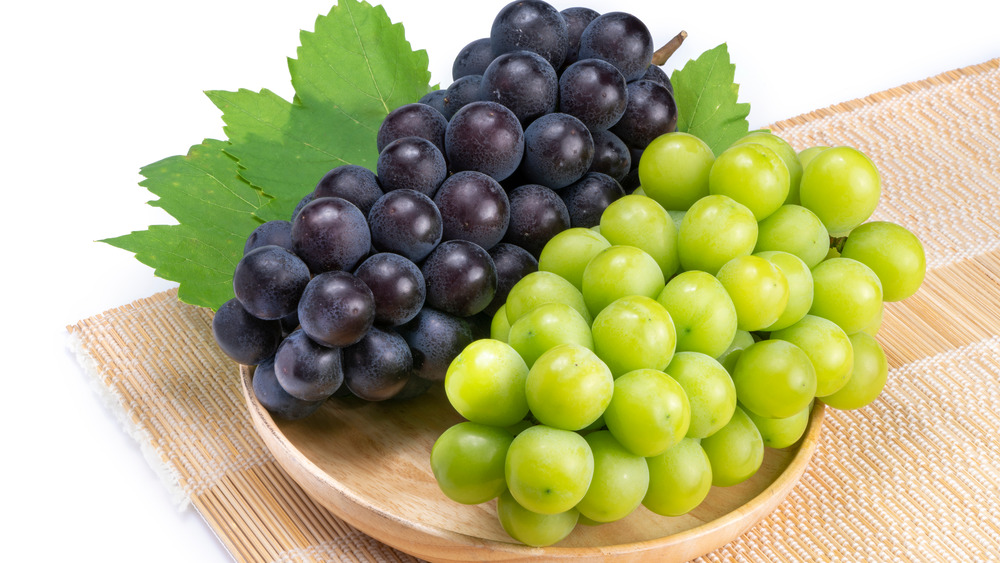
column 787, row 155
column 709, row 389
column 397, row 286
column 378, row 366
column 741, row 341
column 619, row 483
column 603, row 281
column 577, row 19
column 796, row 230
column 512, row 263
column 648, row 413
column 472, row 59
column 485, row 383
column 735, row 452
column 715, row 230
column 411, row 120
column 546, row 327
column 243, row 337
column 893, row 253
column 306, row 199
column 568, row 386
column 531, row 25
column 634, row 332
column 758, row 289
column 539, row 288
column 774, row 379
column 336, row 309
column 842, row 187
column 461, row 93
column 847, row 292
column 548, row 470
column 532, row 528
column 435, row 338
column 868, row 375
column 611, row 155
column 536, row 215
column 781, row 432
column 594, row 92
column 474, row 207
column 500, row 326
column 806, row 155
column 636, row 220
column 703, row 313
column 657, row 74
column 622, row 40
column 558, row 150
column 675, row 170
column 751, row 174
column 411, row 163
column 461, row 278
column 485, row 137
column 435, row 99
column 800, row 287
column 678, row 217
column 330, row 233
column 275, row 399
column 468, row 462
column 651, row 111
column 268, row 282
column 406, row 222
column 354, row 183
column 307, row 370
column 587, row 198
column 271, row 233
column 679, row 479
column 523, row 82
column 568, row 253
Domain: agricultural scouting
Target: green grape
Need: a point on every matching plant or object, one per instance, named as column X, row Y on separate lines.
column 546, row 327
column 796, row 230
column 468, row 462
column 800, row 287
column 532, row 528
column 873, row 328
column 634, row 332
column 539, row 288
column 787, row 155
column 828, row 347
column 674, row 169
column 648, row 413
column 758, row 289
column 868, row 377
column 806, row 155
column 735, row 451
column 753, row 175
column 485, row 383
column 741, row 341
column 619, row 483
column 715, row 230
column 548, row 470
column 841, row 186
column 774, row 379
column 781, row 432
column 638, row 191
column 679, row 479
column 500, row 326
column 620, row 271
column 568, row 387
column 568, row 253
column 636, row 220
column 709, row 389
column 703, row 313
column 847, row 292
column 893, row 253
column 678, row 217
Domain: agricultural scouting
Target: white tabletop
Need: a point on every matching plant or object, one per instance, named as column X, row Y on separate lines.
column 92, row 91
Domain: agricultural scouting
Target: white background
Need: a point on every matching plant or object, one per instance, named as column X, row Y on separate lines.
column 92, row 91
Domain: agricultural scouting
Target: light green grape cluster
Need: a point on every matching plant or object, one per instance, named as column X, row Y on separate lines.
column 657, row 355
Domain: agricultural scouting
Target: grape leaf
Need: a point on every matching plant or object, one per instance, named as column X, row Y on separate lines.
column 707, row 95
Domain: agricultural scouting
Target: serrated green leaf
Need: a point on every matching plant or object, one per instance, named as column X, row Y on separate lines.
column 707, row 100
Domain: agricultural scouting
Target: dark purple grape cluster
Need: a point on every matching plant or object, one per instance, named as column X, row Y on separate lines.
column 380, row 278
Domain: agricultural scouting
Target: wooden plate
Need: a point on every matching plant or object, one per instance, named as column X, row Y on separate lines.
column 369, row 464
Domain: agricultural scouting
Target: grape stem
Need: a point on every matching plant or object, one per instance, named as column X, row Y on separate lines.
column 663, row 53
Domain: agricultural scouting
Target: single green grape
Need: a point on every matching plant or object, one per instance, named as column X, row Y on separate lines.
column 873, row 328
column 548, row 470
column 758, row 289
column 468, row 462
column 567, row 253
column 634, row 332
column 499, row 325
column 796, row 230
column 806, row 155
column 847, row 292
column 619, row 271
column 648, row 413
column 741, row 341
column 828, row 347
column 538, row 288
column 893, row 253
column 800, row 287
column 841, row 186
column 569, row 387
column 674, row 169
column 774, row 379
column 868, row 377
column 781, row 432
column 639, row 221
column 679, row 479
column 735, row 452
column 753, row 175
column 715, row 230
column 703, row 313
column 532, row 528
column 620, row 480
column 709, row 389
column 546, row 327
column 787, row 155
column 485, row 383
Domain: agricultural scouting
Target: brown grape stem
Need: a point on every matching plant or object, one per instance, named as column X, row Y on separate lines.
column 663, row 53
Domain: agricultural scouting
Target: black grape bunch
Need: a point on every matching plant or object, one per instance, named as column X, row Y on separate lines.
column 381, row 277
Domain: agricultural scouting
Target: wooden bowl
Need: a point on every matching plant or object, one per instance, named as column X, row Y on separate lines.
column 369, row 463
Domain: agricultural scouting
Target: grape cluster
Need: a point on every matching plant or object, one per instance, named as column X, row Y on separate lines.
column 656, row 354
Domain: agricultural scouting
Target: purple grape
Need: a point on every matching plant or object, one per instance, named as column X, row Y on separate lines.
column 531, row 25
column 461, row 278
column 474, row 207
column 485, row 137
column 277, row 233
column 307, row 370
column 594, row 92
column 611, row 155
column 657, row 74
column 435, row 99
column 587, row 198
column 523, row 82
column 275, row 399
column 651, row 112
column 512, row 263
column 336, row 309
column 537, row 214
column 354, row 183
column 378, row 366
column 558, row 150
column 411, row 163
column 405, row 222
column 412, row 120
column 472, row 59
column 462, row 92
column 622, row 40
column 306, row 199
column 397, row 285
column 269, row 280
column 435, row 338
column 243, row 337
column 330, row 233
column 577, row 19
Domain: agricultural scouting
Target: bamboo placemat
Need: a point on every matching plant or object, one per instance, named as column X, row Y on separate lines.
column 914, row 476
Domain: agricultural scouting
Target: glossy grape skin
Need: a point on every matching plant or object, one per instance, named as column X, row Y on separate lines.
column 330, row 233
column 377, row 367
column 461, row 278
column 411, row 163
column 699, row 245
column 275, row 399
column 648, row 413
column 657, row 74
column 703, row 313
column 594, row 92
column 577, row 19
column 435, row 99
column 602, row 282
column 587, row 198
column 735, row 452
column 397, row 286
column 412, row 120
column 842, row 187
column 474, row 207
column 354, row 183
column 651, row 112
column 435, row 338
column 828, row 348
column 269, row 281
column 621, row 39
column 530, row 25
column 611, row 155
column 800, row 287
column 485, row 383
column 637, row 220
column 634, row 332
column 751, row 174
column 405, row 222
column 847, row 292
column 522, row 81
column 243, row 337
column 544, row 328
column 679, row 479
column 787, row 155
column 709, row 389
column 512, row 263
column 781, row 432
column 536, row 215
column 307, row 370
column 548, row 470
column 774, row 379
column 620, row 480
column 558, row 150
column 538, row 288
column 532, row 528
column 806, row 155
column 271, row 233
column 336, row 309
column 461, row 93
column 796, row 230
column 467, row 460
column 473, row 58
column 868, row 375
column 485, row 137
column 893, row 253
column 568, row 386
column 568, row 253
column 499, row 325
column 675, row 170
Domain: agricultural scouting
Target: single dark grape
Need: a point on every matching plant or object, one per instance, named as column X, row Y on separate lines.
column 306, row 199
column 243, row 337
column 537, row 214
column 307, row 370
column 558, row 150
column 474, row 207
column 377, row 367
column 397, row 285
column 435, row 99
column 577, row 19
column 531, row 25
column 657, row 74
column 512, row 263
column 472, row 59
column 411, row 163
column 485, row 137
column 594, row 92
column 651, row 112
column 435, row 338
column 277, row 233
column 461, row 278
column 622, row 40
column 269, row 280
column 275, row 399
column 462, row 92
column 412, row 120
column 405, row 222
column 611, row 155
column 523, row 82
column 336, row 309
column 587, row 198
column 354, row 183
column 330, row 233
